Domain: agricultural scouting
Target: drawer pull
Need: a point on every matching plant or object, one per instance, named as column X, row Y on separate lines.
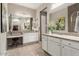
column 69, row 43
column 63, row 47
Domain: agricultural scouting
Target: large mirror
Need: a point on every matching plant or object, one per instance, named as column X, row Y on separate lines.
column 19, row 23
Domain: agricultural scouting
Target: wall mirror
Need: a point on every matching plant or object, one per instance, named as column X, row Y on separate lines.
column 19, row 23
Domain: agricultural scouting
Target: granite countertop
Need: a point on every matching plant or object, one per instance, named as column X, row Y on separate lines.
column 69, row 36
column 17, row 34
column 29, row 31
column 67, row 33
column 14, row 34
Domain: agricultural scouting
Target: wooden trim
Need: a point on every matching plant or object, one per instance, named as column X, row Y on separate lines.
column 1, row 20
column 43, row 9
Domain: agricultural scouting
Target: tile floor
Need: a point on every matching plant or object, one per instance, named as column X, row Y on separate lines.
column 28, row 50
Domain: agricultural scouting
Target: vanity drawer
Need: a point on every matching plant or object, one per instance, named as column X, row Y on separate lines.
column 74, row 44
column 54, row 39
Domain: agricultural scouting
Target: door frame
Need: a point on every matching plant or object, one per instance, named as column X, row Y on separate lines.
column 40, row 22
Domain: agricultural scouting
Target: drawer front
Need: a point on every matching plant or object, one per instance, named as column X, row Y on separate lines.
column 55, row 39
column 73, row 44
column 53, row 48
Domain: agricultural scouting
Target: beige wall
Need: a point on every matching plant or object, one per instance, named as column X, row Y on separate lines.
column 13, row 8
column 55, row 15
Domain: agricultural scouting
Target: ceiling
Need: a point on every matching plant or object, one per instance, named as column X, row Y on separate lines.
column 61, row 6
column 30, row 5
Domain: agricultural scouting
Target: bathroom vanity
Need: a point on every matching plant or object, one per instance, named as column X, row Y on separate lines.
column 60, row 44
column 30, row 37
column 14, row 40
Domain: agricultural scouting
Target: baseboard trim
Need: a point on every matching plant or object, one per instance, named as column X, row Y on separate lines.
column 47, row 52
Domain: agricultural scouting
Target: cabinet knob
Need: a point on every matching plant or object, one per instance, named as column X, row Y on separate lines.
column 63, row 47
column 69, row 43
column 59, row 45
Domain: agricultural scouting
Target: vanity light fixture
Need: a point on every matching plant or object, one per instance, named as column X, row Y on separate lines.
column 16, row 20
column 23, row 15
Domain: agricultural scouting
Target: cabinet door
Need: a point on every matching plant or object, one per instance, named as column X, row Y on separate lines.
column 68, row 51
column 53, row 48
column 3, row 44
column 25, row 38
column 75, row 52
column 44, row 43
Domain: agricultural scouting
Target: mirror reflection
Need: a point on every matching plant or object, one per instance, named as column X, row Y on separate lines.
column 20, row 23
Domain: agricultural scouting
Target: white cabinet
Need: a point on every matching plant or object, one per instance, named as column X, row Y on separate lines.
column 53, row 47
column 68, row 51
column 60, row 47
column 70, row 43
column 70, row 48
column 30, row 37
column 44, row 43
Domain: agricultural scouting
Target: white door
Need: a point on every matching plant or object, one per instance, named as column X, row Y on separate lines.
column 44, row 43
column 53, row 48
